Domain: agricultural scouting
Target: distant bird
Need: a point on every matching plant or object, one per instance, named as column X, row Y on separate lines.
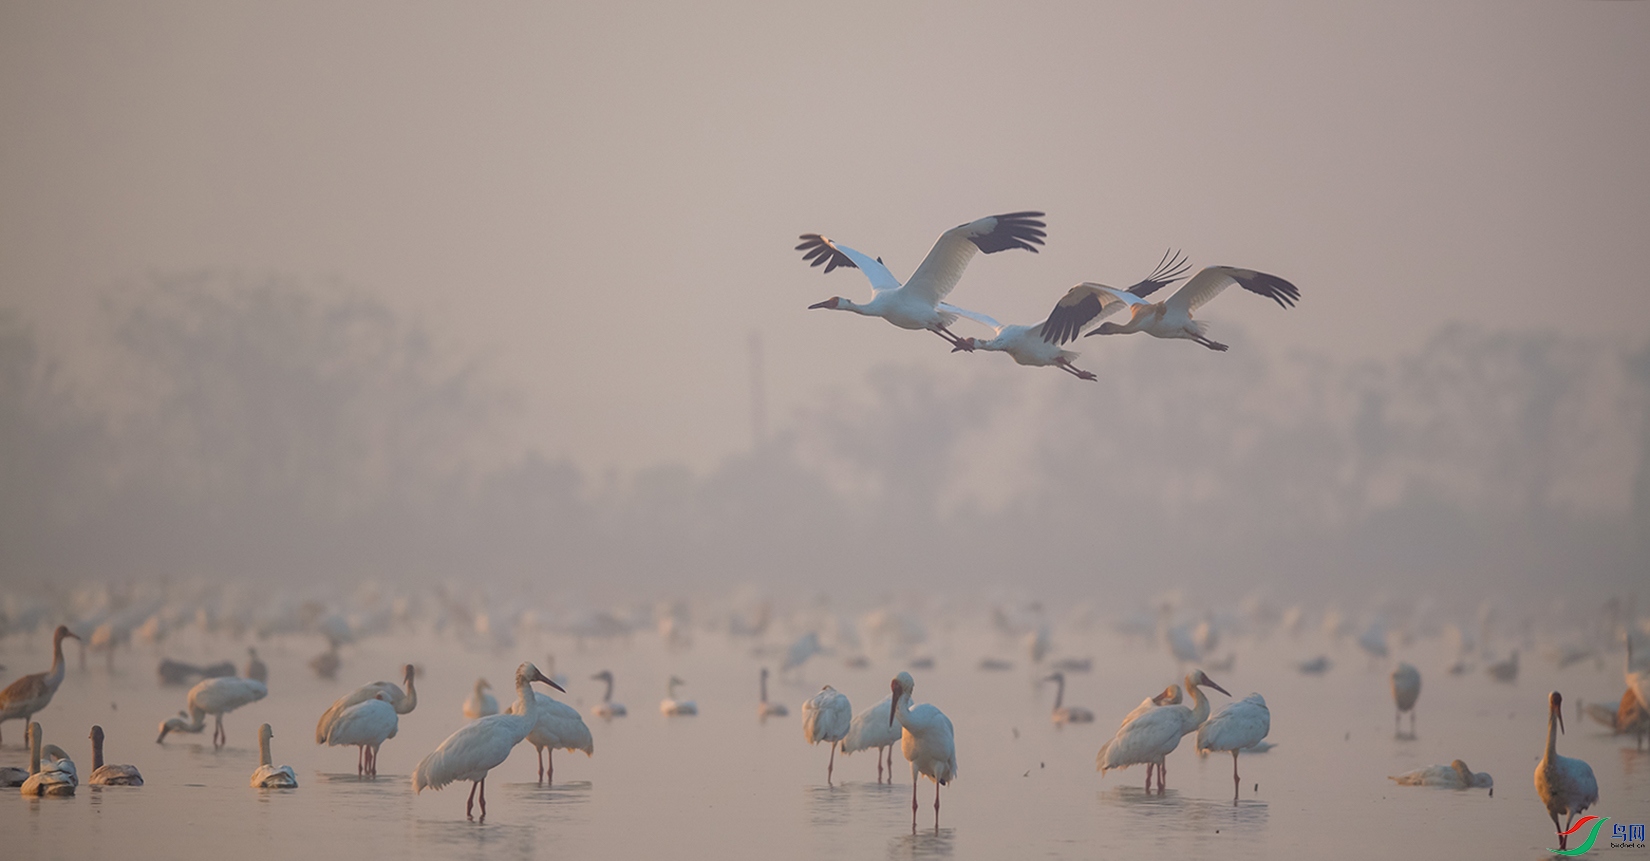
column 995, row 665
column 765, row 709
column 1627, row 718
column 920, row 302
column 1073, row 665
column 267, row 776
column 1026, row 344
column 109, row 775
column 1155, row 733
column 1170, row 318
column 805, row 647
column 482, row 744
column 1456, row 775
column 929, row 742
column 58, row 758
column 365, row 726
column 255, row 667
column 214, row 697
column 12, row 777
column 607, row 709
column 327, row 663
column 1504, row 671
column 480, row 703
column 558, row 727
column 46, row 778
column 402, row 700
column 1373, row 639
column 872, row 729
column 670, row 706
column 1314, row 667
column 1064, row 714
column 29, row 694
column 1637, row 676
column 1406, row 688
column 1237, row 726
column 826, row 717
column 1566, row 785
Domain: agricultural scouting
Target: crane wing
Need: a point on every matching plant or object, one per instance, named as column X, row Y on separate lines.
column 1082, row 305
column 944, row 265
column 1207, row 284
column 1088, row 302
column 972, row 315
column 819, row 250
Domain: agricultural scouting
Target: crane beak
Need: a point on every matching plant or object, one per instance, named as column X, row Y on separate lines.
column 1211, row 683
column 1560, row 713
column 828, row 303
column 539, row 676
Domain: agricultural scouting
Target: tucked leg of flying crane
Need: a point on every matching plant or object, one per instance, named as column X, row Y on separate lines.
column 960, row 343
column 1213, row 345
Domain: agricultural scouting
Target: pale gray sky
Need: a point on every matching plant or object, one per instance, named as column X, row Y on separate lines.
column 603, row 200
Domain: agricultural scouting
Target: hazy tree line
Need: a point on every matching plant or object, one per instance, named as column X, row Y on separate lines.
column 267, row 429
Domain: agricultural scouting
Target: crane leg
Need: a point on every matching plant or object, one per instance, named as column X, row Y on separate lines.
column 830, row 766
column 470, row 804
column 1149, row 768
column 955, row 341
column 890, row 764
column 1213, row 345
column 879, row 766
column 1234, row 779
column 936, row 805
column 541, row 765
column 550, row 756
column 1068, row 367
column 484, row 799
column 1162, row 772
column 913, row 801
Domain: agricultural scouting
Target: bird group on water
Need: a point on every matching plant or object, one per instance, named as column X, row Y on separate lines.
column 368, row 716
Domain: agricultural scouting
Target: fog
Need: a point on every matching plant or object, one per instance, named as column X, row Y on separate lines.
column 268, row 427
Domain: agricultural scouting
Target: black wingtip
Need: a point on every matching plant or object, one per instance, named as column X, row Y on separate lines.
column 1014, row 230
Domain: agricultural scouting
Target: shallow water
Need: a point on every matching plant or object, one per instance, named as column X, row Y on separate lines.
column 723, row 785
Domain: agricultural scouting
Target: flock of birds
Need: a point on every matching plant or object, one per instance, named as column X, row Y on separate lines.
column 368, row 716
column 919, row 303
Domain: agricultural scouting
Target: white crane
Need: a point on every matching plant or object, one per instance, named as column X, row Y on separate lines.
column 1566, row 785
column 670, row 706
column 480, row 703
column 559, row 727
column 872, row 729
column 365, row 725
column 765, row 709
column 826, row 717
column 31, row 693
column 482, row 744
column 267, row 775
column 1026, row 344
column 109, row 775
column 1235, row 727
column 607, row 709
column 929, row 742
column 1169, row 697
column 403, row 701
column 920, row 302
column 1064, row 714
column 46, row 778
column 1170, row 318
column 214, row 697
column 1406, row 689
column 1154, row 733
column 805, row 647
column 1456, row 775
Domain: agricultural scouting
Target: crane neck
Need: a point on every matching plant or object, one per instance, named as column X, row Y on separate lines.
column 526, row 698
column 410, row 701
column 1200, row 703
column 34, row 748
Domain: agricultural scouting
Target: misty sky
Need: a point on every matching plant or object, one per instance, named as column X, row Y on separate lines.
column 601, row 201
